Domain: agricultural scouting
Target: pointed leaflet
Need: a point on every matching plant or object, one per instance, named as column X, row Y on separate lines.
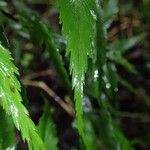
column 47, row 129
column 111, row 136
column 10, row 99
column 78, row 18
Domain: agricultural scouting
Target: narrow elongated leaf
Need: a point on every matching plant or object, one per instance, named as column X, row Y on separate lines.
column 78, row 18
column 123, row 45
column 111, row 135
column 90, row 135
column 126, row 84
column 3, row 38
column 47, row 130
column 11, row 101
column 40, row 34
column 111, row 139
column 110, row 8
column 118, row 58
column 100, row 47
column 119, row 47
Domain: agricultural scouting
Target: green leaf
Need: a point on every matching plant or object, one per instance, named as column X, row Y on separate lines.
column 90, row 135
column 100, row 47
column 126, row 84
column 47, row 130
column 7, row 132
column 110, row 79
column 3, row 38
column 36, row 27
column 124, row 45
column 106, row 131
column 110, row 134
column 78, row 18
column 117, row 57
column 111, row 139
column 110, row 8
column 11, row 101
column 124, row 143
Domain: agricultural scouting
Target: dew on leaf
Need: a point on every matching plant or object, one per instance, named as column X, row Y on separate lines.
column 10, row 148
column 108, row 85
column 96, row 74
column 93, row 14
column 87, row 107
column 116, row 89
column 15, row 112
column 2, row 94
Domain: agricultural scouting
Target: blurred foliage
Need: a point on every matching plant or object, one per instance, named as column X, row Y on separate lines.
column 7, row 132
column 47, row 130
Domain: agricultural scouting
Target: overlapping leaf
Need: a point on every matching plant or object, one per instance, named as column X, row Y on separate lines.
column 78, row 18
column 47, row 130
column 10, row 99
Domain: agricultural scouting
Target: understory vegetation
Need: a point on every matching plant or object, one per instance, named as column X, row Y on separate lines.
column 74, row 74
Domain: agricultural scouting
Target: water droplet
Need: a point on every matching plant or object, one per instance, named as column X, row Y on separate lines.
column 116, row 89
column 105, row 79
column 97, row 2
column 108, row 85
column 56, row 98
column 93, row 14
column 14, row 111
column 10, row 148
column 87, row 107
column 26, row 112
column 103, row 96
column 76, row 82
column 34, row 129
column 96, row 74
column 2, row 94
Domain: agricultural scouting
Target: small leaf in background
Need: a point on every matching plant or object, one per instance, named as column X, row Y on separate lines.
column 39, row 34
column 110, row 134
column 16, row 53
column 119, row 47
column 123, row 45
column 78, row 19
column 7, row 132
column 11, row 100
column 26, row 60
column 107, row 134
column 100, row 46
column 90, row 135
column 110, row 8
column 47, row 130
column 124, row 143
column 3, row 38
column 117, row 57
column 126, row 84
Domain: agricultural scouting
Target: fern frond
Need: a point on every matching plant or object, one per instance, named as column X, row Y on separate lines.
column 78, row 18
column 11, row 101
column 47, row 130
